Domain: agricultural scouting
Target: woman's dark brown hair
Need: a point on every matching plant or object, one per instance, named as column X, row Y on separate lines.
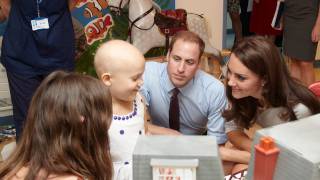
column 66, row 131
column 280, row 90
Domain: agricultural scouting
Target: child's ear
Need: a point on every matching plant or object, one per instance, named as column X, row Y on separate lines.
column 106, row 79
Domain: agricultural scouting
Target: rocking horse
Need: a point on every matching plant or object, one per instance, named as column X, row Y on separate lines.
column 144, row 32
column 147, row 21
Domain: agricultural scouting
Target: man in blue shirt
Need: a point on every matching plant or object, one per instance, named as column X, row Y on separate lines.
column 39, row 39
column 201, row 97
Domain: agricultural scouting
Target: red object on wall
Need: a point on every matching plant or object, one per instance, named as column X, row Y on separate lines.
column 266, row 155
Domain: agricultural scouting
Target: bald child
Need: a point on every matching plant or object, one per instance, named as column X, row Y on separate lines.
column 120, row 66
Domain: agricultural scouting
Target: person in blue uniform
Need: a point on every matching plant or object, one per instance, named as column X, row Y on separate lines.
column 39, row 39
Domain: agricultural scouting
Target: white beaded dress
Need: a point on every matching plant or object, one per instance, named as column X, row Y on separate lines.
column 123, row 133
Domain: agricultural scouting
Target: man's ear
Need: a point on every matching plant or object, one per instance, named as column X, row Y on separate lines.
column 168, row 54
column 106, row 79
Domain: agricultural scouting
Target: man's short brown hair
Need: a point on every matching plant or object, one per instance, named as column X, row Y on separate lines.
column 188, row 36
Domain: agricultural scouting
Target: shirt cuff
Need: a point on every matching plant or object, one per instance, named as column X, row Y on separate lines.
column 221, row 138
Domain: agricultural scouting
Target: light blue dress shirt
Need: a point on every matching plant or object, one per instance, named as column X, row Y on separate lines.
column 202, row 101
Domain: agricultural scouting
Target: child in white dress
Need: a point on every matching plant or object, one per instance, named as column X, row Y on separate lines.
column 120, row 66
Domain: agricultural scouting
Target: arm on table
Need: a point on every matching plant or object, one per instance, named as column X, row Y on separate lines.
column 240, row 140
column 151, row 129
column 157, row 130
column 234, row 155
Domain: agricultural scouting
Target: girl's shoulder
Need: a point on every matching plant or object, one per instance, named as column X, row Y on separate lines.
column 71, row 177
column 22, row 173
column 68, row 177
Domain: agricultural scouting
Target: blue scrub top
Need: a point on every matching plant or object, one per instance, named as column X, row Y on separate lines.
column 30, row 52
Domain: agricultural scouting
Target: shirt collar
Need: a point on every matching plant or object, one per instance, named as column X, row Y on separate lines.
column 169, row 86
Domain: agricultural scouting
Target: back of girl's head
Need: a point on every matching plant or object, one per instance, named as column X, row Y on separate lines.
column 66, row 130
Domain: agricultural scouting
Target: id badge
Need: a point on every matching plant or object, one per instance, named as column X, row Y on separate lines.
column 39, row 23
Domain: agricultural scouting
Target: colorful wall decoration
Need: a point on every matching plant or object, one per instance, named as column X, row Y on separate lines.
column 94, row 24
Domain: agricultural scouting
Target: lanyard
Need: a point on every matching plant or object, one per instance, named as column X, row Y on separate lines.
column 39, row 23
column 38, row 7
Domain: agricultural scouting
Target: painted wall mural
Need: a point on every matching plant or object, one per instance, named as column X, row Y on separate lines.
column 94, row 24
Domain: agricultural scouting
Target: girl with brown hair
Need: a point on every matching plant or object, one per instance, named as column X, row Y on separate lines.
column 66, row 132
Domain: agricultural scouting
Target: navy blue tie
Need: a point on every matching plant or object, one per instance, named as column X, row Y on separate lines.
column 174, row 122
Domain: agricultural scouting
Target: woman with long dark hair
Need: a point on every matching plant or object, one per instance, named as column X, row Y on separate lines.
column 260, row 90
